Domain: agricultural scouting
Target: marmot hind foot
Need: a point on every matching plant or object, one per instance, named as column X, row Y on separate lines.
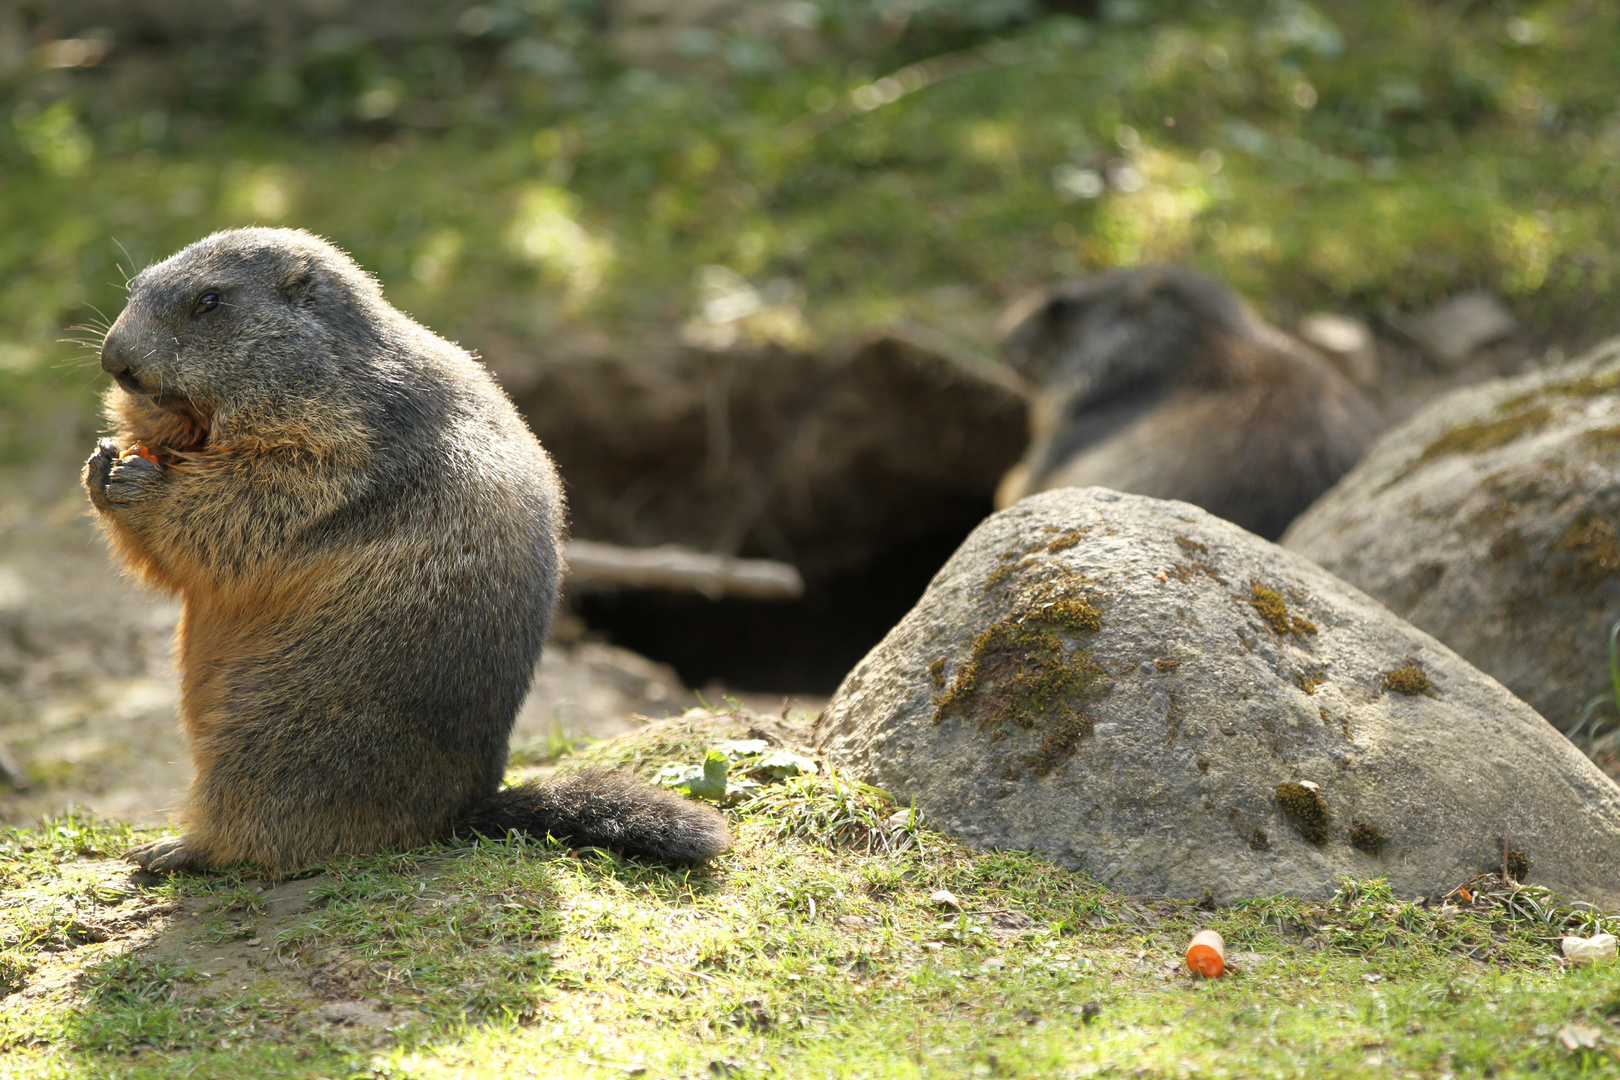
column 166, row 856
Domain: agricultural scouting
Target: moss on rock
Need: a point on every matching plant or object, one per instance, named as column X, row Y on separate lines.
column 1481, row 435
column 1602, row 382
column 1594, row 547
column 1410, row 680
column 1020, row 675
column 1066, row 539
column 1367, row 838
column 1048, row 603
column 1604, row 439
column 1303, row 806
column 1269, row 603
column 998, row 577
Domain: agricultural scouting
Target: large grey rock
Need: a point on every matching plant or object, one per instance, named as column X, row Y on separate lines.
column 1490, row 520
column 1137, row 688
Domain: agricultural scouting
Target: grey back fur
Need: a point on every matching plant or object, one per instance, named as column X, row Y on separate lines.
column 1158, row 381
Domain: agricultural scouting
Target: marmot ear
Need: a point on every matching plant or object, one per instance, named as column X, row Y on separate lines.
column 1059, row 309
column 1145, row 289
column 298, row 281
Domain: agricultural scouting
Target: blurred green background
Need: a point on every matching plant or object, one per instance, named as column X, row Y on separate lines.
column 600, row 177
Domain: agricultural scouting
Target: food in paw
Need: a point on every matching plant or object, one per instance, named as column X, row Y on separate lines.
column 138, row 450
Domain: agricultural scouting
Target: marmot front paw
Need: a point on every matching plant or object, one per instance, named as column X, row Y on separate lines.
column 165, row 856
column 115, row 479
column 99, row 467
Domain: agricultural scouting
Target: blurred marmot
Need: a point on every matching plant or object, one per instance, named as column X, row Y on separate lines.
column 365, row 537
column 1159, row 382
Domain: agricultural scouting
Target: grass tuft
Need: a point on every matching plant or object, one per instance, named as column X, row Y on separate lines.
column 834, row 812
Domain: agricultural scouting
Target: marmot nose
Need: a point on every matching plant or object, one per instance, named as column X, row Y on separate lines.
column 114, row 357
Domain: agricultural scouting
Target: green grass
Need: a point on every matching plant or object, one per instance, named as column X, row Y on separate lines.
column 807, row 951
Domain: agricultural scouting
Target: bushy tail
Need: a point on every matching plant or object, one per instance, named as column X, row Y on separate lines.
column 607, row 810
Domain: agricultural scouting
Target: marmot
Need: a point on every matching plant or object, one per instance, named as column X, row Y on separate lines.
column 1159, row 382
column 365, row 537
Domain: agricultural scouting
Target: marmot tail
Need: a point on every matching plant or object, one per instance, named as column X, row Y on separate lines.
column 607, row 810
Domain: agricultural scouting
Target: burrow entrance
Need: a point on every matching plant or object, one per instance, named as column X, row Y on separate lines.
column 863, row 467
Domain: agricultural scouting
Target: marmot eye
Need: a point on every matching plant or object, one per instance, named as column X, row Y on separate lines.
column 208, row 301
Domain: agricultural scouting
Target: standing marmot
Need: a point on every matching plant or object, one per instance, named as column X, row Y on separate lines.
column 1157, row 381
column 364, row 534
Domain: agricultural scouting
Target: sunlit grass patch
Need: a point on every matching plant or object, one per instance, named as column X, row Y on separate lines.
column 814, row 948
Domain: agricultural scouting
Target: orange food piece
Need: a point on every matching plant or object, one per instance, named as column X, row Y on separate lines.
column 1206, row 955
column 138, row 450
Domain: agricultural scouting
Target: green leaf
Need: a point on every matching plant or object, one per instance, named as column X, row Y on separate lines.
column 786, row 763
column 706, row 781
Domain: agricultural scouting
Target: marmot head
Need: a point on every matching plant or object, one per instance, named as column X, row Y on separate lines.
column 1149, row 315
column 249, row 325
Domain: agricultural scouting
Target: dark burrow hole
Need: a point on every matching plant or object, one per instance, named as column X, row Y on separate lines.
column 803, row 646
column 864, row 467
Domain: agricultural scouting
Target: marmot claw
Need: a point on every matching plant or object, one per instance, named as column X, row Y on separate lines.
column 164, row 856
column 99, row 466
column 114, row 479
column 128, row 479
